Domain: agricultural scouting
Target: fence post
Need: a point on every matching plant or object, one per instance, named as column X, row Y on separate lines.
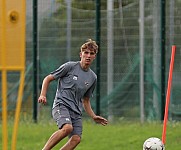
column 35, row 10
column 98, row 56
column 162, row 58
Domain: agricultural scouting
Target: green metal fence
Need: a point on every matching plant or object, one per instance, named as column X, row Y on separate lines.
column 63, row 26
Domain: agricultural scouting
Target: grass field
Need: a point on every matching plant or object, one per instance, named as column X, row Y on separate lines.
column 119, row 136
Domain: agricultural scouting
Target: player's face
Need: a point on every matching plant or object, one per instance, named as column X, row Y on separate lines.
column 87, row 56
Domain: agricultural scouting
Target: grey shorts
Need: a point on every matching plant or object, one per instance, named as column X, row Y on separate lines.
column 63, row 115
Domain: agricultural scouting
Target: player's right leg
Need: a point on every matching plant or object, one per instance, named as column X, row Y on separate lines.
column 58, row 136
column 62, row 117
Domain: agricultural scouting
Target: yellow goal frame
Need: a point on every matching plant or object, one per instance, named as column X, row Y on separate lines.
column 12, row 58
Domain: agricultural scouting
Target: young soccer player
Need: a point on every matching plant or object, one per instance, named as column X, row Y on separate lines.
column 76, row 83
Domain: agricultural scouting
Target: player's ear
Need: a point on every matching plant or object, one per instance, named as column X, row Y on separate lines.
column 94, row 56
column 80, row 54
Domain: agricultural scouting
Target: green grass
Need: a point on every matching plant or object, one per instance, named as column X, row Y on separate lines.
column 118, row 136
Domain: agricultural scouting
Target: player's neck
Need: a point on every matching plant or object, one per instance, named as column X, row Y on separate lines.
column 84, row 66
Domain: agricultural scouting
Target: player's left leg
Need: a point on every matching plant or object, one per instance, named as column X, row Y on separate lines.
column 75, row 135
column 72, row 143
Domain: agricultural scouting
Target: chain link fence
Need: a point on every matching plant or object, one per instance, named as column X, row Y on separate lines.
column 64, row 25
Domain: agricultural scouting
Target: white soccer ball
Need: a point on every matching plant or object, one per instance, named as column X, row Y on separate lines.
column 153, row 143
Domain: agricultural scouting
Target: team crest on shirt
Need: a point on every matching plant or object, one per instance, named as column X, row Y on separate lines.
column 86, row 83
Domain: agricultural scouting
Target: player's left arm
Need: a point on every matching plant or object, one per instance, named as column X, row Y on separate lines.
column 90, row 112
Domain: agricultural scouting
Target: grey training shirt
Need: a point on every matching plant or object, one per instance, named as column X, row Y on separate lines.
column 74, row 83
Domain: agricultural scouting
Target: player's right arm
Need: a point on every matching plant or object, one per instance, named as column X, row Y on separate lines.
column 46, row 82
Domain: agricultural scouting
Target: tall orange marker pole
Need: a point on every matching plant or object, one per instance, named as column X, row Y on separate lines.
column 168, row 94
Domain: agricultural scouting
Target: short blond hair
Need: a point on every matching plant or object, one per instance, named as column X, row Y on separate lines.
column 91, row 45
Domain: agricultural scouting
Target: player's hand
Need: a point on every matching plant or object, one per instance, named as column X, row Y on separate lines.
column 42, row 99
column 101, row 120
